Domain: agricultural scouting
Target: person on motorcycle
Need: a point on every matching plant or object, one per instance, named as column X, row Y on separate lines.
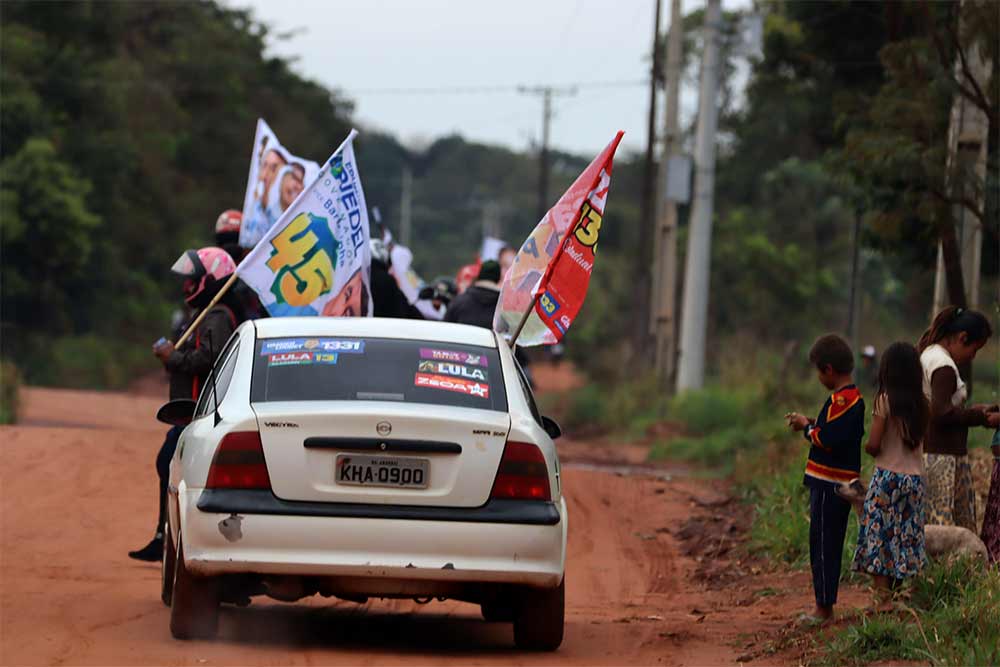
column 203, row 273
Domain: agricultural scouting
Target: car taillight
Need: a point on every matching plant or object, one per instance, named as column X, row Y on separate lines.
column 239, row 463
column 523, row 474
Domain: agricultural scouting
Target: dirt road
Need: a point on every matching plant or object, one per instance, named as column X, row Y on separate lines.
column 77, row 491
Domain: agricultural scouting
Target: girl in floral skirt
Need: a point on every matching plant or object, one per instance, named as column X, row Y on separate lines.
column 891, row 535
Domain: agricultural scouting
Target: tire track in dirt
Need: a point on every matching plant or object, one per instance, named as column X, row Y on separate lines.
column 75, row 500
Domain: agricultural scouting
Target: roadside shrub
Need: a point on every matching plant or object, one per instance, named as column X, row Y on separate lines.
column 586, row 408
column 718, row 450
column 709, row 410
column 10, row 384
column 87, row 362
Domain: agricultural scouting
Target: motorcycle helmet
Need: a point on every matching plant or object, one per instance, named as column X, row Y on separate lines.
column 227, row 227
column 204, row 271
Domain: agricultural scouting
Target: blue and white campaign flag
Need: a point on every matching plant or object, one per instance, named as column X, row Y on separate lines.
column 276, row 178
column 316, row 260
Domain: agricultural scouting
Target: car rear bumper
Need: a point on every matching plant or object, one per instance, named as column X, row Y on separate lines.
column 233, row 532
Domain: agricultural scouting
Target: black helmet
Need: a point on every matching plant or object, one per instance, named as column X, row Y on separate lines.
column 442, row 289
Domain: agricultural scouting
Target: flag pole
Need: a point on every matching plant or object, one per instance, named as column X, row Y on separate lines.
column 204, row 312
column 524, row 320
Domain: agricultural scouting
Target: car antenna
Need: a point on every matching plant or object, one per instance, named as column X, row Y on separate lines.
column 211, row 374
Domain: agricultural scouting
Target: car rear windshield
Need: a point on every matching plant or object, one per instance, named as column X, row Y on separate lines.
column 377, row 369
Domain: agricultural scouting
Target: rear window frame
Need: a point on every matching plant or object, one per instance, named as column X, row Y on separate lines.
column 496, row 383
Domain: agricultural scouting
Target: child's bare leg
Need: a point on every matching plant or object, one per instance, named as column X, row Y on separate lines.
column 883, row 593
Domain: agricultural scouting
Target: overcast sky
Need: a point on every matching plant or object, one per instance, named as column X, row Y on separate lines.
column 367, row 49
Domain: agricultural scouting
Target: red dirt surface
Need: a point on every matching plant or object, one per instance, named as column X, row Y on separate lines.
column 649, row 580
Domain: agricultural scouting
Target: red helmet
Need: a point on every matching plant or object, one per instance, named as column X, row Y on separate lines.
column 229, row 222
column 203, row 271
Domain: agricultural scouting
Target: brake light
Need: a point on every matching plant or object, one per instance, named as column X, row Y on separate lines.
column 239, row 463
column 523, row 474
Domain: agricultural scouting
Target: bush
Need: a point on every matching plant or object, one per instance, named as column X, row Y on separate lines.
column 710, row 410
column 10, row 383
column 586, row 407
column 88, row 362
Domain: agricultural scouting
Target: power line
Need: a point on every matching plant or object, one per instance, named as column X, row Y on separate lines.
column 492, row 89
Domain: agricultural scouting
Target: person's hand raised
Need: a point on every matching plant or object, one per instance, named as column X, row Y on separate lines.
column 796, row 421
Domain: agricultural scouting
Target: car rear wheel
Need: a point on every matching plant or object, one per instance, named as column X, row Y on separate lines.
column 167, row 569
column 538, row 625
column 194, row 613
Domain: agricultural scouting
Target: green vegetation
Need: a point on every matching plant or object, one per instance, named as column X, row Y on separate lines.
column 952, row 617
column 10, row 383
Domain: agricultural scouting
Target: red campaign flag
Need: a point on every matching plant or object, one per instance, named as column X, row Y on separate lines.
column 551, row 272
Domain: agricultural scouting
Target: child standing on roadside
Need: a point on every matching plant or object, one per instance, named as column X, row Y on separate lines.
column 891, row 534
column 952, row 341
column 834, row 457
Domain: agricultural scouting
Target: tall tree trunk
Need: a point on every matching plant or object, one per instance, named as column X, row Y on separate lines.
column 952, row 256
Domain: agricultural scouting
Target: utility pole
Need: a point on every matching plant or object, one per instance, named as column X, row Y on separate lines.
column 663, row 312
column 405, row 204
column 546, row 93
column 645, row 287
column 691, row 370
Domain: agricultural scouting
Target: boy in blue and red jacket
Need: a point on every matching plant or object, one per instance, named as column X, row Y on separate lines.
column 834, row 457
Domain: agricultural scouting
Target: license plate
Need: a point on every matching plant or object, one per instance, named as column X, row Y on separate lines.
column 395, row 471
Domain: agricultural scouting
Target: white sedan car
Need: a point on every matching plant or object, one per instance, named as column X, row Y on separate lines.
column 363, row 458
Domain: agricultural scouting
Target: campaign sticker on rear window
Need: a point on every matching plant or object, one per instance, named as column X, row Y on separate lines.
column 289, row 358
column 301, row 358
column 458, row 385
column 455, row 370
column 278, row 345
column 453, row 356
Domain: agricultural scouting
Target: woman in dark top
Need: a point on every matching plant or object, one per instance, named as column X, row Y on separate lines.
column 954, row 338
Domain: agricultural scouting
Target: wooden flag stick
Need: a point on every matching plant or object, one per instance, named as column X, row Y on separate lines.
column 524, row 320
column 204, row 312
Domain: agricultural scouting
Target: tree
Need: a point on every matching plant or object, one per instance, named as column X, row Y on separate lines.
column 47, row 233
column 900, row 154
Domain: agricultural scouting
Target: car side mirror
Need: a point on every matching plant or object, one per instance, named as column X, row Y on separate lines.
column 551, row 427
column 178, row 412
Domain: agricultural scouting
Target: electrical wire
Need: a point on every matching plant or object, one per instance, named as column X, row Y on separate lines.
column 490, row 89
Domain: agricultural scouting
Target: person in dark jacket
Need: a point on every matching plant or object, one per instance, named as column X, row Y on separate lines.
column 387, row 299
column 477, row 304
column 834, row 438
column 204, row 273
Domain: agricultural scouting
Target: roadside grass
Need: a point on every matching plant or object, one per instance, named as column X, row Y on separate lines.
column 952, row 617
column 10, row 384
